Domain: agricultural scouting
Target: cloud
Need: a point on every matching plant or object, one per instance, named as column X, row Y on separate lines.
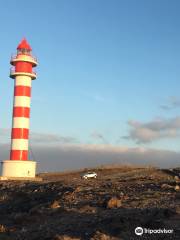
column 173, row 102
column 95, row 96
column 5, row 135
column 154, row 130
column 75, row 156
column 98, row 136
column 38, row 138
column 43, row 138
column 65, row 153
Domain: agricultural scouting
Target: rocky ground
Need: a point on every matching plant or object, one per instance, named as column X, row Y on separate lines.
column 64, row 206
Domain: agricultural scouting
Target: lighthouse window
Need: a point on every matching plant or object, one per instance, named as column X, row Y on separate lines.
column 23, row 51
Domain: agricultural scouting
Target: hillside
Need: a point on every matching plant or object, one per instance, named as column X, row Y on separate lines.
column 64, row 206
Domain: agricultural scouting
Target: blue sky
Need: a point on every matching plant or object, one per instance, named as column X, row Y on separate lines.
column 101, row 64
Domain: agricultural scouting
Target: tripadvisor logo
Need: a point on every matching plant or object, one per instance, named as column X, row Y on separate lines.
column 139, row 231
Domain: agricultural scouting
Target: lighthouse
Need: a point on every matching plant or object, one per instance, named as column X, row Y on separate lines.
column 22, row 72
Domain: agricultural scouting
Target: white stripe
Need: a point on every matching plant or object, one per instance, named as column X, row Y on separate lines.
column 23, row 81
column 19, row 144
column 22, row 101
column 25, row 58
column 20, row 122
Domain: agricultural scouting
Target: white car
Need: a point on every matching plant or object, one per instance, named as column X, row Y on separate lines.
column 89, row 175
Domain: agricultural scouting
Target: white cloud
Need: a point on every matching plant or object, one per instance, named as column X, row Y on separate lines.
column 60, row 156
column 173, row 102
column 43, row 138
column 99, row 136
column 5, row 135
column 154, row 130
column 74, row 156
column 95, row 96
column 38, row 138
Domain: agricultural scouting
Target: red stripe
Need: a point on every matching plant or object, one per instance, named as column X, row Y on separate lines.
column 19, row 133
column 23, row 67
column 22, row 91
column 19, row 155
column 21, row 112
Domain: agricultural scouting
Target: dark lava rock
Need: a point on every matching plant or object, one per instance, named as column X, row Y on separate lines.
column 110, row 207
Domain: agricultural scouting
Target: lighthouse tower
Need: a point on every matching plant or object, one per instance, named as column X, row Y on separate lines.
column 22, row 72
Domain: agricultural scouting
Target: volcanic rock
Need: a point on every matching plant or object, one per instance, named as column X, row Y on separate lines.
column 114, row 202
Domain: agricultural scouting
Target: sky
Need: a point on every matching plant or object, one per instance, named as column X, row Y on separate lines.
column 108, row 80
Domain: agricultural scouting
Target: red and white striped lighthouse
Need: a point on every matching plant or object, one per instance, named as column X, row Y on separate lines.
column 23, row 74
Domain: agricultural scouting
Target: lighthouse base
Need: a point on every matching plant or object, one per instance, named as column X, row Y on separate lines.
column 11, row 169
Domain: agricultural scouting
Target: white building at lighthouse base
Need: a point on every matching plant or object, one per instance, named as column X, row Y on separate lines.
column 18, row 170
